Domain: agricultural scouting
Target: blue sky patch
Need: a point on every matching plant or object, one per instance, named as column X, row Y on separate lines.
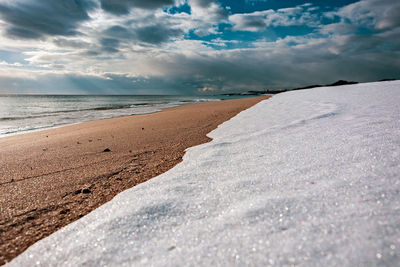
column 185, row 8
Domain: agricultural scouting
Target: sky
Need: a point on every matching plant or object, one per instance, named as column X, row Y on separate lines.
column 193, row 46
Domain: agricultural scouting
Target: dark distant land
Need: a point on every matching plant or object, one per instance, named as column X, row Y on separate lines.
column 277, row 91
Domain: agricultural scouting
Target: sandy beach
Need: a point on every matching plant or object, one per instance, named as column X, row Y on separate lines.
column 51, row 178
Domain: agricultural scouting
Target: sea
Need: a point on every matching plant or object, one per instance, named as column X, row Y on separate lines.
column 25, row 113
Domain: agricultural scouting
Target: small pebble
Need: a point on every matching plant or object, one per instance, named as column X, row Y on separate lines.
column 86, row 191
column 78, row 191
column 30, row 218
column 64, row 211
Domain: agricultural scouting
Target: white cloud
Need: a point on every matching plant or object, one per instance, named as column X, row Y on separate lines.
column 206, row 14
column 15, row 64
column 377, row 14
column 260, row 20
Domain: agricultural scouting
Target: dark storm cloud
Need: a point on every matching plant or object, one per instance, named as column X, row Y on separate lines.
column 253, row 22
column 65, row 43
column 20, row 32
column 33, row 19
column 151, row 34
column 109, row 45
column 118, row 32
column 323, row 61
column 121, row 7
column 90, row 53
column 156, row 34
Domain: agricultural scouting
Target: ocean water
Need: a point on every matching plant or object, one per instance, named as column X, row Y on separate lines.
column 24, row 113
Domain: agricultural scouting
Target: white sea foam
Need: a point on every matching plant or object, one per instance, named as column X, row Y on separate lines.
column 309, row 178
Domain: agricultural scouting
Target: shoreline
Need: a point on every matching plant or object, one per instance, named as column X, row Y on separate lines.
column 75, row 123
column 102, row 118
column 50, row 178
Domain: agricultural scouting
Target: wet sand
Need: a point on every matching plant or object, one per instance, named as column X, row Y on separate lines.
column 51, row 178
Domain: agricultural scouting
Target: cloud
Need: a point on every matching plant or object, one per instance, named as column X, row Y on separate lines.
column 206, row 15
column 270, row 65
column 39, row 82
column 153, row 34
column 208, row 10
column 251, row 21
column 260, row 20
column 15, row 64
column 122, row 7
column 366, row 27
column 71, row 43
column 375, row 14
column 202, row 3
column 118, row 31
column 33, row 19
column 280, row 65
column 156, row 34
column 109, row 45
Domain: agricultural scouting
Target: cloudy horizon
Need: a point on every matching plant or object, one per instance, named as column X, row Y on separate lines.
column 193, row 46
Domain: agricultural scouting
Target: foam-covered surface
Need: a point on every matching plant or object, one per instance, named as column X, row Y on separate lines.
column 308, row 177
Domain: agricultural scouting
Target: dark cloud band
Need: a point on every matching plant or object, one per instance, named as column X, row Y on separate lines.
column 33, row 19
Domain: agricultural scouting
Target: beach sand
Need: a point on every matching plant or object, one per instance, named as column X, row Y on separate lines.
column 51, row 178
